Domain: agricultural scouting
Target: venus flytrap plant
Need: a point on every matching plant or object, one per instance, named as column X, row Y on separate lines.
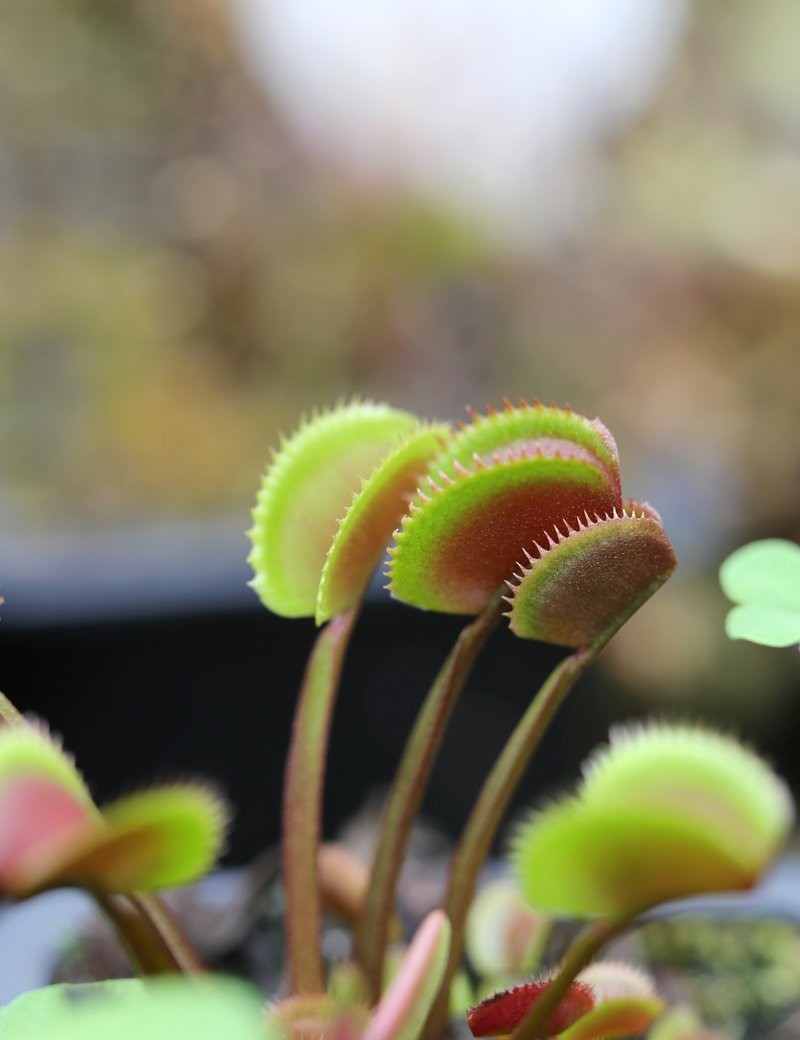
column 53, row 835
column 663, row 813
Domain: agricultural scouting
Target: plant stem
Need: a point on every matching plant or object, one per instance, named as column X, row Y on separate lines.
column 302, row 804
column 163, row 922
column 150, row 934
column 490, row 808
column 585, row 946
column 408, row 788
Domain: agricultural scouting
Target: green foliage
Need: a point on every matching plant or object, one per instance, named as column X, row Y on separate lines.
column 763, row 578
column 665, row 812
column 128, row 1010
column 741, row 975
column 39, row 1009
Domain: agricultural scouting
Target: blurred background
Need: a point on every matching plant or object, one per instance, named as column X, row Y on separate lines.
column 216, row 214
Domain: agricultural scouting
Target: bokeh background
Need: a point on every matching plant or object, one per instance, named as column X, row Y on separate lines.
column 218, row 214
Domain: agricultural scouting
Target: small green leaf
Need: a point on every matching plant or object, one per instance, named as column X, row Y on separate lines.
column 306, row 491
column 764, row 577
column 759, row 623
column 168, row 1009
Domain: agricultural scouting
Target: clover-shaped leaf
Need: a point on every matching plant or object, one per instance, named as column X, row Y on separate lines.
column 52, row 834
column 664, row 813
column 763, row 578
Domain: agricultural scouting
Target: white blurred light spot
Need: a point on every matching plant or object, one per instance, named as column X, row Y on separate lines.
column 490, row 106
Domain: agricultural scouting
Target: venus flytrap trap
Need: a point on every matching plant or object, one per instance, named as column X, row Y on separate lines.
column 606, row 999
column 663, row 813
column 53, row 835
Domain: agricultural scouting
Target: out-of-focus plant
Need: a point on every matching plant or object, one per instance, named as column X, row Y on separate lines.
column 763, row 579
column 740, row 975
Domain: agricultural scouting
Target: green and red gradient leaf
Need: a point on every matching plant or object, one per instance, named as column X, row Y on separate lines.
column 590, row 579
column 50, row 835
column 606, row 1000
column 624, row 1016
column 306, row 490
column 365, row 529
column 150, row 840
column 461, row 543
column 665, row 813
column 513, row 427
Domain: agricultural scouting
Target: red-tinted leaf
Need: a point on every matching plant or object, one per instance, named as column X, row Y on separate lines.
column 37, row 815
column 502, row 1013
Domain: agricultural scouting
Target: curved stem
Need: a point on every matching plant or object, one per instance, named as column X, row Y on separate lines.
column 150, row 934
column 302, row 802
column 490, row 808
column 583, row 949
column 408, row 788
column 164, row 923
